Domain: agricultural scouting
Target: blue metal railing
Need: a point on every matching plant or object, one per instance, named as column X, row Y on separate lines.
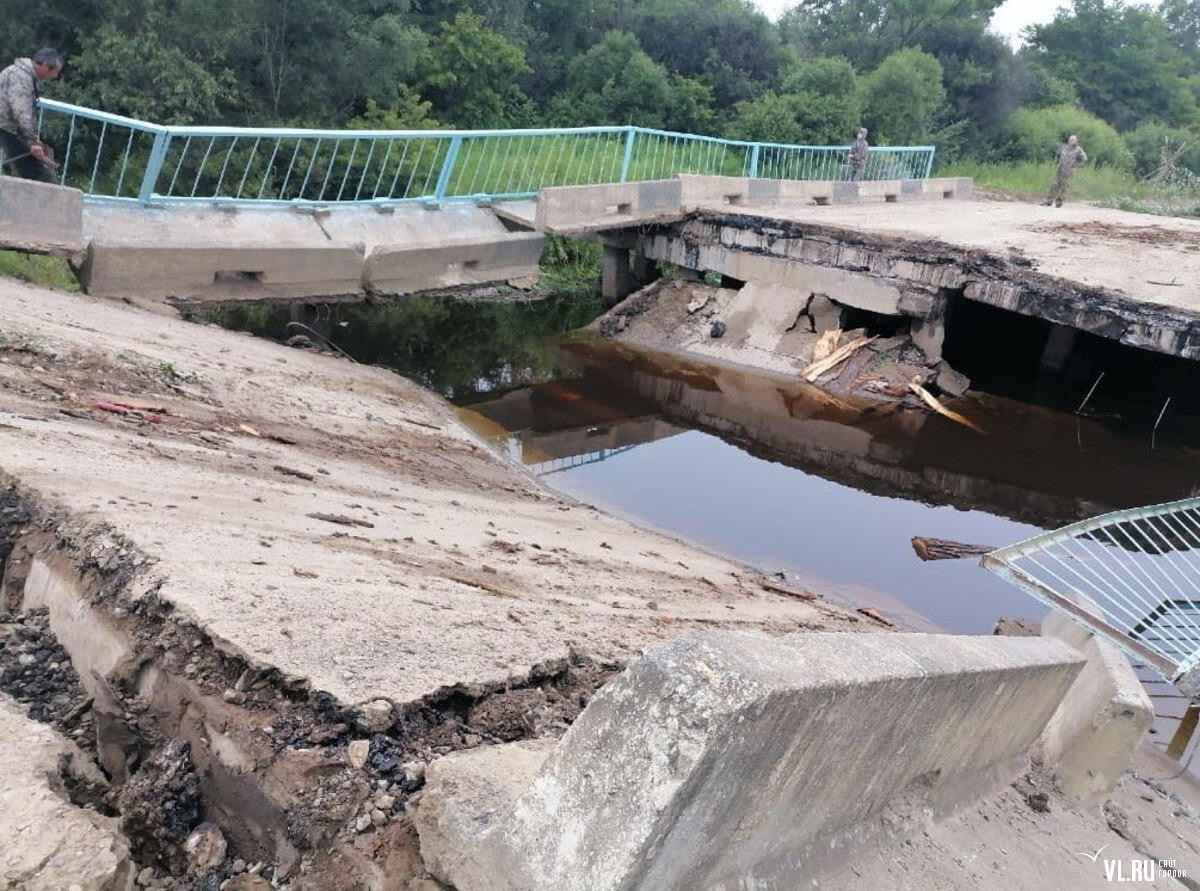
column 110, row 157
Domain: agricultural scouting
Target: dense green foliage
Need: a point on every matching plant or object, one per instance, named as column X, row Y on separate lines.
column 1124, row 76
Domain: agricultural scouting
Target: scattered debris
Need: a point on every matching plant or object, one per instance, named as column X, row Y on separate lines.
column 289, row 471
column 341, row 520
column 777, row 588
column 483, row 586
column 116, row 409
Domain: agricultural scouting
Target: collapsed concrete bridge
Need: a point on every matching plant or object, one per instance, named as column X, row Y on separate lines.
column 909, row 249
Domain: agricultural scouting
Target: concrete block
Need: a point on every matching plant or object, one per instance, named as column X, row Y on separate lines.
column 846, row 193
column 579, row 208
column 465, row 795
column 46, row 843
column 763, row 191
column 885, row 189
column 739, row 760
column 715, row 192
column 805, row 192
column 1095, row 732
column 41, row 218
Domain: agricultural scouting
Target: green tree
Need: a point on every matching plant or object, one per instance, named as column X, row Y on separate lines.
column 726, row 44
column 617, row 83
column 1121, row 59
column 140, row 77
column 868, row 31
column 1035, row 134
column 902, row 95
column 820, row 105
column 470, row 74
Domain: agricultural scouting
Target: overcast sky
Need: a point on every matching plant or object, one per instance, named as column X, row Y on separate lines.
column 1008, row 20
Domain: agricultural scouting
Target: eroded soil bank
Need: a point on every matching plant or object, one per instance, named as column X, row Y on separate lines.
column 257, row 589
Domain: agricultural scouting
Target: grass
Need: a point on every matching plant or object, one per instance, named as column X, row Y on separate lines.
column 1032, row 180
column 51, row 272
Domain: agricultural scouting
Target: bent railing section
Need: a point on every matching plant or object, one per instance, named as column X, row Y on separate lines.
column 110, row 157
column 1132, row 577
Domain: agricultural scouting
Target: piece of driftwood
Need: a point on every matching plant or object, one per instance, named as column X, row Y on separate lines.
column 786, row 591
column 826, row 344
column 837, row 357
column 932, row 401
column 943, row 549
column 341, row 520
column 871, row 613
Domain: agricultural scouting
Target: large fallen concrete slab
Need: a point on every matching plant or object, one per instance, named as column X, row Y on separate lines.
column 226, row 253
column 737, row 760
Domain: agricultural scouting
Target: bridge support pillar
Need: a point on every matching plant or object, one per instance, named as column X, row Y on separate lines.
column 616, row 281
column 1058, row 347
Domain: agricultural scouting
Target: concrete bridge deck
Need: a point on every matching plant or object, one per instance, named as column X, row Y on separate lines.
column 892, row 247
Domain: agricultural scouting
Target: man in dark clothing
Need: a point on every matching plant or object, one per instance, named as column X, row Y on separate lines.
column 25, row 154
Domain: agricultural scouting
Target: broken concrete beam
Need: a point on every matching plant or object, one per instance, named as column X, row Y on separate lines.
column 1096, row 730
column 215, row 253
column 46, row 843
column 733, row 759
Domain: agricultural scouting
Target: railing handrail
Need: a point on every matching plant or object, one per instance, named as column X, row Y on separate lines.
column 223, row 130
column 289, row 165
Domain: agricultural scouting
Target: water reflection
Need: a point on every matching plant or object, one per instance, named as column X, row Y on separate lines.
column 772, row 471
column 765, row 469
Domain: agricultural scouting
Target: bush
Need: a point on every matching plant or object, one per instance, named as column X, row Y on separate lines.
column 1035, row 135
column 1147, row 143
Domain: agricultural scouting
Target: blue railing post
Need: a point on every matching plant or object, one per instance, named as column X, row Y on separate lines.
column 439, row 191
column 754, row 161
column 158, row 154
column 628, row 154
column 929, row 163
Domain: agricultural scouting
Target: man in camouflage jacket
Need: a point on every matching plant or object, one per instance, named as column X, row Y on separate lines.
column 1070, row 155
column 25, row 154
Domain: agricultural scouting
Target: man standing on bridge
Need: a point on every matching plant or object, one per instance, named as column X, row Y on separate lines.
column 1070, row 156
column 857, row 155
column 19, row 141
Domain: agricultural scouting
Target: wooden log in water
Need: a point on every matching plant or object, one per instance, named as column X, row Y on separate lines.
column 941, row 549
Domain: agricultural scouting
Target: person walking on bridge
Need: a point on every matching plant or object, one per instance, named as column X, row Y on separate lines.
column 24, row 152
column 1070, row 156
column 857, row 156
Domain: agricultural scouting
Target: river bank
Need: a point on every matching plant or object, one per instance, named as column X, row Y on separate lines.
column 314, row 547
